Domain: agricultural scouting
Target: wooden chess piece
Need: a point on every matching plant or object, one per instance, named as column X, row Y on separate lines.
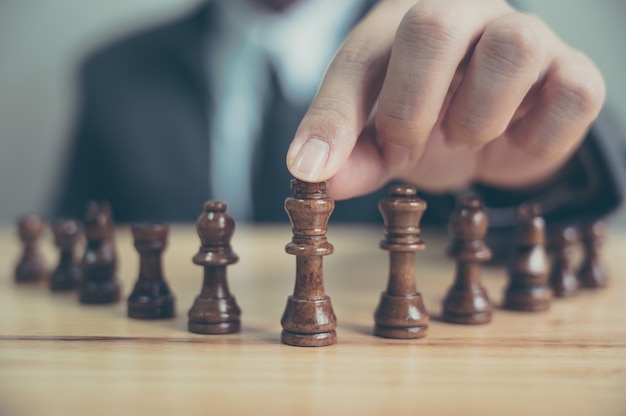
column 528, row 288
column 467, row 301
column 99, row 281
column 31, row 265
column 309, row 319
column 67, row 274
column 151, row 297
column 215, row 310
column 592, row 273
column 401, row 312
column 562, row 248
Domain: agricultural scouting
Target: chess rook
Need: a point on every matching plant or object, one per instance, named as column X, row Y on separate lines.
column 592, row 274
column 31, row 265
column 99, row 281
column 528, row 288
column 401, row 312
column 309, row 319
column 562, row 247
column 151, row 297
column 67, row 274
column 467, row 301
column 215, row 310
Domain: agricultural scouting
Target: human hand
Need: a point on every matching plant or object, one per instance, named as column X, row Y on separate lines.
column 442, row 93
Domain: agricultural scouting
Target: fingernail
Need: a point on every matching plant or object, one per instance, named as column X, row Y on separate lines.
column 311, row 159
column 396, row 157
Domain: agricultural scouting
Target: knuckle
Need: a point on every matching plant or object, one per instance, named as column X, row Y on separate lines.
column 515, row 42
column 578, row 92
column 430, row 23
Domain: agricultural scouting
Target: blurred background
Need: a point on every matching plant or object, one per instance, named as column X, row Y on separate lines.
column 41, row 44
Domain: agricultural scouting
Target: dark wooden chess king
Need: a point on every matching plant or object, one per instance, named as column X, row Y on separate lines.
column 401, row 312
column 31, row 265
column 99, row 263
column 309, row 319
column 151, row 297
column 215, row 310
column 67, row 274
column 528, row 288
column 467, row 301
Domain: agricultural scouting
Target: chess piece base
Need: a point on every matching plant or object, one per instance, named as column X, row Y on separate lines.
column 476, row 318
column 401, row 333
column 151, row 299
column 30, row 271
column 215, row 316
column 532, row 299
column 401, row 317
column 151, row 308
column 215, row 329
column 65, row 280
column 467, row 307
column 99, row 292
column 309, row 322
column 320, row 339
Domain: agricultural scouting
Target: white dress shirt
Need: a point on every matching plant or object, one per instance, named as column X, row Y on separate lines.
column 298, row 43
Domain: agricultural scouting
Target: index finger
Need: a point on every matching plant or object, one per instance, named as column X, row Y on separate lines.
column 329, row 130
column 432, row 41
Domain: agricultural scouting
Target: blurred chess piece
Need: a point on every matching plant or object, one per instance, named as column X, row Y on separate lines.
column 67, row 274
column 467, row 301
column 99, row 281
column 31, row 265
column 528, row 288
column 562, row 249
column 215, row 310
column 592, row 273
column 151, row 297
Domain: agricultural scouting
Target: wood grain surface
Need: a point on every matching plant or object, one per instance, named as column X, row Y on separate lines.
column 60, row 357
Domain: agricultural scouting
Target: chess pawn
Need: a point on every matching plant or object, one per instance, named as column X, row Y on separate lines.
column 562, row 247
column 31, row 265
column 99, row 282
column 528, row 288
column 467, row 301
column 215, row 310
column 151, row 297
column 401, row 312
column 67, row 274
column 309, row 319
column 592, row 273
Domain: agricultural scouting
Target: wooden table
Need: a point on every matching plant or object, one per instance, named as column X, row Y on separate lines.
column 60, row 357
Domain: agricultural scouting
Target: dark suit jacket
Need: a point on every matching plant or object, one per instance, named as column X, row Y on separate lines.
column 142, row 141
